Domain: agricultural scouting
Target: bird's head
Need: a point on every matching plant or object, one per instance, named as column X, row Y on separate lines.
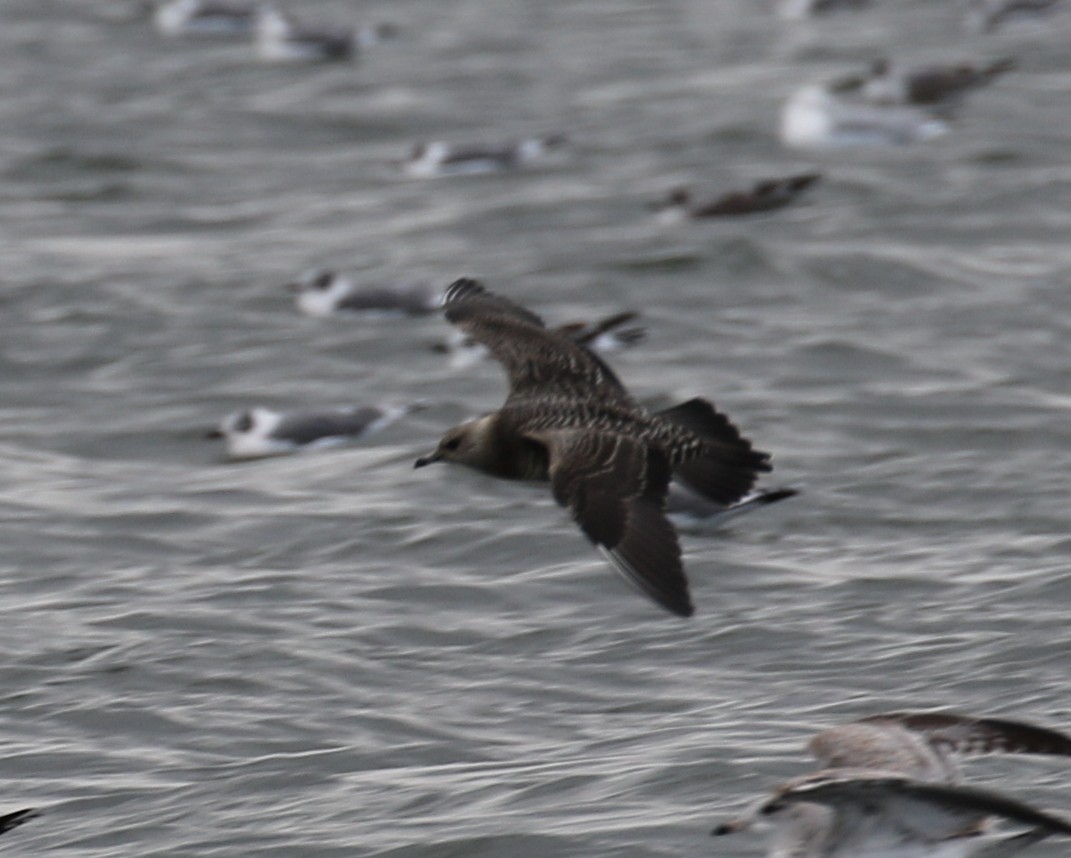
column 469, row 443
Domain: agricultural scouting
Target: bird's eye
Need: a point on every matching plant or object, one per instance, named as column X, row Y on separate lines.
column 323, row 281
column 772, row 807
column 452, row 444
column 244, row 422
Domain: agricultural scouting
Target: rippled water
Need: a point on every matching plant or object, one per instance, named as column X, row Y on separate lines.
column 333, row 654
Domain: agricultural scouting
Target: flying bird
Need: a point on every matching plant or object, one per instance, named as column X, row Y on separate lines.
column 890, row 787
column 569, row 421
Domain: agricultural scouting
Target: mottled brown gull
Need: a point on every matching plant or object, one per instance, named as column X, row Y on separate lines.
column 890, row 788
column 569, row 420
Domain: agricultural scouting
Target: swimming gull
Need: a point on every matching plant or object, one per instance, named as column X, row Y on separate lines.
column 440, row 158
column 814, row 116
column 930, row 85
column 280, row 38
column 890, row 788
column 259, row 432
column 763, row 196
column 322, row 292
column 568, row 420
column 201, row 18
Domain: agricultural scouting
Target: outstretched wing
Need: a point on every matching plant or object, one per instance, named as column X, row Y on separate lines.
column 961, row 734
column 537, row 360
column 615, row 487
column 913, row 809
column 882, row 745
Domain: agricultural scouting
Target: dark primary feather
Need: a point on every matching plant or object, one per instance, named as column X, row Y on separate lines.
column 536, row 359
column 615, row 488
column 965, row 735
column 916, row 804
column 13, row 820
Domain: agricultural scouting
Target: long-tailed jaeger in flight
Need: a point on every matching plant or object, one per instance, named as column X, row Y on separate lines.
column 569, row 420
column 890, row 788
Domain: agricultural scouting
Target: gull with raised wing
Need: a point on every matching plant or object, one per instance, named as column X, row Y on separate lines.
column 890, row 788
column 569, row 421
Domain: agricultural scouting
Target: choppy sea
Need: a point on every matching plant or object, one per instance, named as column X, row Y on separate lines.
column 335, row 655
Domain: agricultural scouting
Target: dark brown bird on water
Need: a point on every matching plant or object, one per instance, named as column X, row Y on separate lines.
column 569, row 420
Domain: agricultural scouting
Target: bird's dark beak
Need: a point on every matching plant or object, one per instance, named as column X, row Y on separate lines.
column 213, row 435
column 426, row 460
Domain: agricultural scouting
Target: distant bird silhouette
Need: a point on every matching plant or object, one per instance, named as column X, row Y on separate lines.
column 17, row 818
column 201, row 18
column 799, row 9
column 569, row 420
column 764, row 196
column 890, row 788
column 987, row 15
column 926, row 85
column 280, row 38
column 439, row 158
column 322, row 292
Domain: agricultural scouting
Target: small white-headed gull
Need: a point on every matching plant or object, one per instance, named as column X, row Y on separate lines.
column 321, row 292
column 816, row 117
column 261, row 432
column 201, row 18
column 439, row 158
column 280, row 38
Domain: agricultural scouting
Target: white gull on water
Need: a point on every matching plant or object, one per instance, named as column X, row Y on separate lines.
column 281, row 38
column 440, row 158
column 260, row 432
column 200, row 18
column 814, row 116
column 322, row 292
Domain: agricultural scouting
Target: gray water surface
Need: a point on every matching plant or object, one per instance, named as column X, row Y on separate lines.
column 335, row 655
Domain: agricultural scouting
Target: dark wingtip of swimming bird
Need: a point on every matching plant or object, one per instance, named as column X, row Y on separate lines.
column 17, row 818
